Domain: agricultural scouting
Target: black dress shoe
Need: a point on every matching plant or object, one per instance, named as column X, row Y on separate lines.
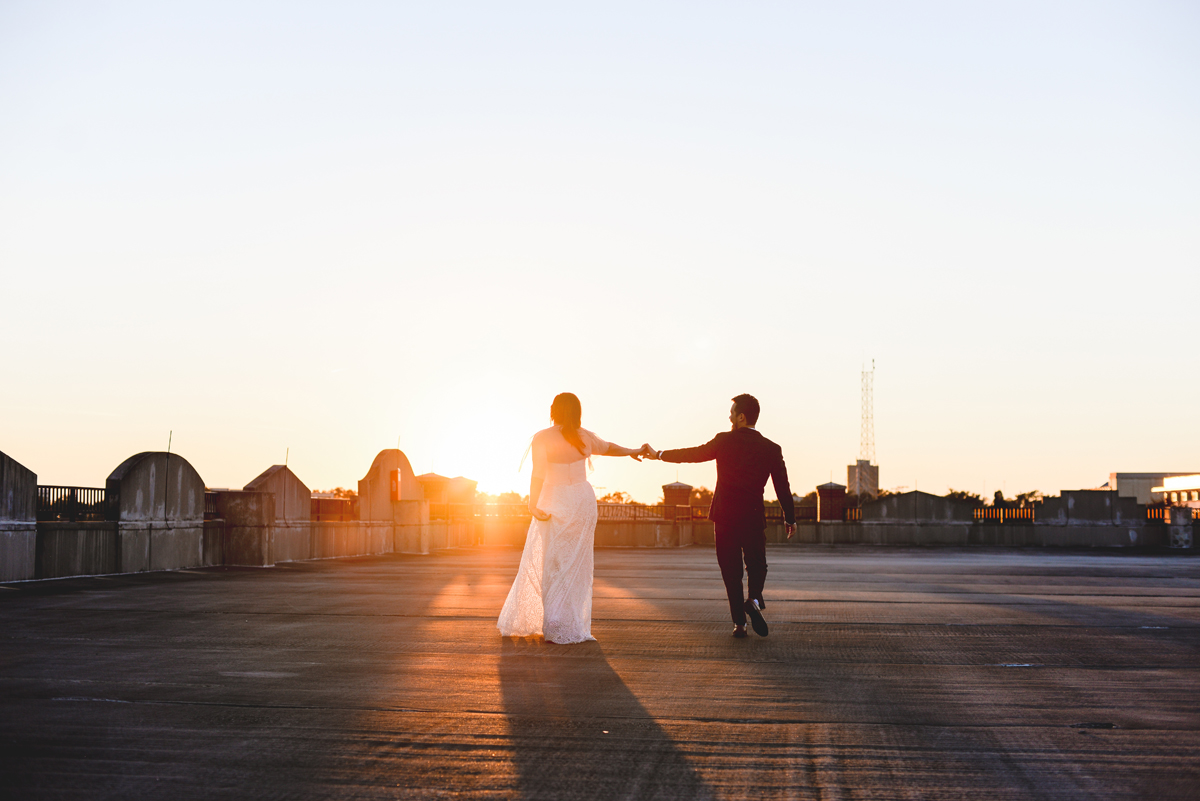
column 739, row 632
column 756, row 619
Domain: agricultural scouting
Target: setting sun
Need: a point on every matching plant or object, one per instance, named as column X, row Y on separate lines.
column 485, row 444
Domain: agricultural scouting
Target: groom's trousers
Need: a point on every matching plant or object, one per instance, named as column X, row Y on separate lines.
column 736, row 543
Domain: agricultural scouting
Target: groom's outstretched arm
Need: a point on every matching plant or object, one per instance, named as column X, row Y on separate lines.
column 701, row 453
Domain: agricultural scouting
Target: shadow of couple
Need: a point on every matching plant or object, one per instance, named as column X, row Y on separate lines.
column 578, row 732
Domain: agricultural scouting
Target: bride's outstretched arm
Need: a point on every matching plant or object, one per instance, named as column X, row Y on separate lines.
column 616, row 450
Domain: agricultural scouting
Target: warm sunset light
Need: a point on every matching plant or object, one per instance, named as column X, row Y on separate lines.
column 1173, row 483
column 484, row 444
column 391, row 224
column 560, row 400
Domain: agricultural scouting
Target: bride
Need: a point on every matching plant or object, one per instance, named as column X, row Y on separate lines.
column 552, row 594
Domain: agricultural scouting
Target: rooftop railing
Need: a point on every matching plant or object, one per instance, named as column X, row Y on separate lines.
column 630, row 511
column 463, row 511
column 617, row 512
column 611, row 512
column 74, row 504
column 210, row 506
column 991, row 514
column 501, row 510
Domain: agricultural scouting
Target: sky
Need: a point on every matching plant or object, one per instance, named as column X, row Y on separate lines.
column 305, row 231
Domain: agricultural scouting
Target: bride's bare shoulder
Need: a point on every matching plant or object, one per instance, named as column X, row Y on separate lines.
column 546, row 433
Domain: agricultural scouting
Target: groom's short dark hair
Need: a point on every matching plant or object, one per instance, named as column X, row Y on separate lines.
column 747, row 405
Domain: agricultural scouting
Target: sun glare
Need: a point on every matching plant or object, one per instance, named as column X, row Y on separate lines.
column 487, row 445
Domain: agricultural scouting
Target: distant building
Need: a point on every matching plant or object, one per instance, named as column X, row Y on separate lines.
column 831, row 502
column 862, row 479
column 327, row 507
column 1180, row 490
column 677, row 494
column 1141, row 485
column 441, row 489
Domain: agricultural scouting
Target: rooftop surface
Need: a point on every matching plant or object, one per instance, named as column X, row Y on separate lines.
column 888, row 673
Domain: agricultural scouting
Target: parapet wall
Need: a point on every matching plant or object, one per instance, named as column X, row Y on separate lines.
column 248, row 522
column 18, row 491
column 990, row 534
column 918, row 506
column 261, row 542
column 609, row 533
column 1090, row 507
column 94, row 548
column 18, row 550
column 18, row 520
column 158, row 500
column 77, row 549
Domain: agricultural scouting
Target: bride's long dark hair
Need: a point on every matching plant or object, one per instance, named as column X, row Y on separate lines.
column 565, row 411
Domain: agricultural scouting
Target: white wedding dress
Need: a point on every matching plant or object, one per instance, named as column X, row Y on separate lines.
column 552, row 594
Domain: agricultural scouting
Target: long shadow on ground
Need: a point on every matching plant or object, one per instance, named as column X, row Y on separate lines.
column 578, row 732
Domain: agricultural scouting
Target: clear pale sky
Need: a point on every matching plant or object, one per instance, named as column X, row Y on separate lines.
column 329, row 227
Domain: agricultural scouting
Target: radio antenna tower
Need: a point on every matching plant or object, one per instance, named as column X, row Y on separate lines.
column 866, row 448
column 862, row 478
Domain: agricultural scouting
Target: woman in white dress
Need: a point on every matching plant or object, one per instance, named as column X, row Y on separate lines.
column 552, row 594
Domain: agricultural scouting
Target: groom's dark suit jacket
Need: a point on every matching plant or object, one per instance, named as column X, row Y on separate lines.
column 745, row 460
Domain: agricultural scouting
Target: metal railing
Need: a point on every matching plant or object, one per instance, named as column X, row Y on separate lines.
column 618, row 512
column 991, row 514
column 333, row 510
column 74, row 504
column 806, row 513
column 773, row 514
column 630, row 511
column 502, row 510
column 604, row 511
column 610, row 512
column 460, row 511
column 210, row 506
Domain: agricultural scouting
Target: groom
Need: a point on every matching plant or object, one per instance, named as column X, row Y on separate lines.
column 745, row 459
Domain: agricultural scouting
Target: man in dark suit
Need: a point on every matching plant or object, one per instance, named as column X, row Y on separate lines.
column 745, row 459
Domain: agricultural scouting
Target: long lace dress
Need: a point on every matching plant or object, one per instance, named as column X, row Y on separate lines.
column 552, row 594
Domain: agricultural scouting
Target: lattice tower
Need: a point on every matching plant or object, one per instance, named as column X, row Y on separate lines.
column 866, row 448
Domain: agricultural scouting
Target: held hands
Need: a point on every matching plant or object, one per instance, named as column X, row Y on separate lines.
column 644, row 452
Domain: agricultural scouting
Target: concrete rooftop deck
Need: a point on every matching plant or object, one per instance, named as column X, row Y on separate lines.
column 889, row 673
